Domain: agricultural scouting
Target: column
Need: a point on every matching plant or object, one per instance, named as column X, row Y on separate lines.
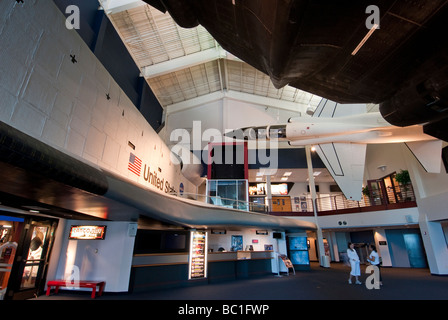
column 382, row 247
column 268, row 192
column 435, row 245
column 320, row 238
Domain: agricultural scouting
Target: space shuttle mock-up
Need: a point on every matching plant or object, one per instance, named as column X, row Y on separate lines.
column 340, row 134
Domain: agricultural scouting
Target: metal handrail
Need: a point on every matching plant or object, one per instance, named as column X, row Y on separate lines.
column 323, row 203
column 231, row 203
column 340, row 202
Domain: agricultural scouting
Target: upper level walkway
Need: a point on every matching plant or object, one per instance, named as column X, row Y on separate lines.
column 325, row 205
column 339, row 204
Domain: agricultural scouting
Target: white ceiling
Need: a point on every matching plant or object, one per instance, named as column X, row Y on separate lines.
column 185, row 66
column 321, row 175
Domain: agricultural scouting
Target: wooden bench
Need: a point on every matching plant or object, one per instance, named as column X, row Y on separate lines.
column 81, row 284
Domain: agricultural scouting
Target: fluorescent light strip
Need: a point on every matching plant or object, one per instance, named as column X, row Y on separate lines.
column 363, row 41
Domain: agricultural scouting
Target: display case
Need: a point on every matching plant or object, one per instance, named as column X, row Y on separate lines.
column 198, row 255
column 229, row 193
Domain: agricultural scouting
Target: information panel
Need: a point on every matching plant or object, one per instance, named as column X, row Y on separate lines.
column 198, row 255
column 298, row 250
column 87, row 233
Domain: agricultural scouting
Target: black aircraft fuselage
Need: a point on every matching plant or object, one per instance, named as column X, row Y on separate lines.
column 403, row 65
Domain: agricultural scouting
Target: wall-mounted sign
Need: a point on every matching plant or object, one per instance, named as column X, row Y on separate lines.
column 87, row 232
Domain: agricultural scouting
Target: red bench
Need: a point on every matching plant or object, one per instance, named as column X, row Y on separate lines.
column 81, row 284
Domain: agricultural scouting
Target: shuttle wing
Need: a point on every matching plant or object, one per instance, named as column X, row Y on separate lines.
column 346, row 162
column 428, row 153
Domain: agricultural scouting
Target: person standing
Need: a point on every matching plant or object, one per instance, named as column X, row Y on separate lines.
column 354, row 263
column 374, row 260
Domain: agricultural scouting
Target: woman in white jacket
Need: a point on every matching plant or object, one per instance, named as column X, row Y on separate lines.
column 354, row 263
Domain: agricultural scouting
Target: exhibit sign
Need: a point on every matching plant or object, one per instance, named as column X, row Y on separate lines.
column 197, row 264
column 87, row 233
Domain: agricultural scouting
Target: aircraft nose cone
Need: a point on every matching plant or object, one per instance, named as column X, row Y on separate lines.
column 242, row 134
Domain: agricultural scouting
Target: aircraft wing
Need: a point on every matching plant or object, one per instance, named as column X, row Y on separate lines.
column 331, row 109
column 345, row 162
column 428, row 153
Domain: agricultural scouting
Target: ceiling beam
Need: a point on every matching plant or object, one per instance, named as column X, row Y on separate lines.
column 195, row 102
column 116, row 6
column 266, row 101
column 184, row 62
column 239, row 96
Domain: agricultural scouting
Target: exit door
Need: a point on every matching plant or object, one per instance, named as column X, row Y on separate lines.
column 32, row 258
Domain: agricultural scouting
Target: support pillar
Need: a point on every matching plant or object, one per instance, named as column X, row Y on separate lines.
column 435, row 245
column 268, row 192
column 382, row 247
column 320, row 238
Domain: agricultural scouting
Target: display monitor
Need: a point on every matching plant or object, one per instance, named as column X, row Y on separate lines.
column 277, row 235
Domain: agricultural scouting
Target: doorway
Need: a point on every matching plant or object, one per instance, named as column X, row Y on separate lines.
column 281, row 204
column 378, row 193
column 415, row 249
column 10, row 230
column 406, row 248
column 31, row 261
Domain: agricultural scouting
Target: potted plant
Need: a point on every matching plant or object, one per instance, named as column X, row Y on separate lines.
column 366, row 194
column 404, row 180
column 366, row 191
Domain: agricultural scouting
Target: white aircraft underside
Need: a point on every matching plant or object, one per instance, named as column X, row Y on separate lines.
column 340, row 134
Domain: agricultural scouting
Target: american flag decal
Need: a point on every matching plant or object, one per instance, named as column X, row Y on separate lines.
column 135, row 164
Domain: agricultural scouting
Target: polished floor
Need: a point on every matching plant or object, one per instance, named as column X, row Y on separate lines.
column 316, row 284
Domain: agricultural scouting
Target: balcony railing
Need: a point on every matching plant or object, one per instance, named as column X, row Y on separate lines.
column 325, row 205
column 227, row 202
column 339, row 204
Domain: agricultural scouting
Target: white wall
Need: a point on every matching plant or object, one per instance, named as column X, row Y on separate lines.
column 64, row 104
column 107, row 260
column 223, row 115
column 238, row 114
column 215, row 241
column 431, row 189
column 399, row 217
column 389, row 155
column 324, row 194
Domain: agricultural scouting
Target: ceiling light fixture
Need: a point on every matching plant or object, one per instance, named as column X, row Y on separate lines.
column 287, row 174
column 363, row 41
